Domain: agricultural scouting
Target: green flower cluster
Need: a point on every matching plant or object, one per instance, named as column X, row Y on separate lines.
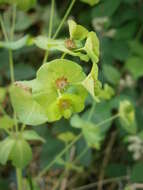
column 60, row 87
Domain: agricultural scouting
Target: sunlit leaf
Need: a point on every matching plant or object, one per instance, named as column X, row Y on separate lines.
column 27, row 109
column 77, row 31
column 32, row 135
column 6, row 122
column 21, row 153
column 92, row 47
column 92, row 134
column 5, row 149
column 14, row 45
column 91, row 82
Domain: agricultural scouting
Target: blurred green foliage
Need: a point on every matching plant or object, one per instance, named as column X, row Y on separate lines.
column 119, row 25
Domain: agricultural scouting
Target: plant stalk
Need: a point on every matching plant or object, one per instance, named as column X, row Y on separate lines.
column 51, row 18
column 19, row 178
column 50, row 28
column 59, row 156
column 64, row 18
column 71, row 144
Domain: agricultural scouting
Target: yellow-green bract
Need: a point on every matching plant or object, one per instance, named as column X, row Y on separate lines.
column 77, row 31
column 94, row 86
column 56, row 92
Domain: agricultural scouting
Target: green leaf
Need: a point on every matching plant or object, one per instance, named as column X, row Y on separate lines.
column 111, row 73
column 136, row 48
column 116, row 170
column 105, row 8
column 92, row 47
column 5, row 149
column 135, row 66
column 27, row 109
column 137, row 173
column 127, row 116
column 14, row 45
column 6, row 122
column 127, row 31
column 32, row 135
column 76, row 121
column 107, row 92
column 77, row 31
column 92, row 135
column 21, row 153
column 90, row 2
column 23, row 21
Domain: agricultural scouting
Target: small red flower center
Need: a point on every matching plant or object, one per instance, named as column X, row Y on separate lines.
column 61, row 83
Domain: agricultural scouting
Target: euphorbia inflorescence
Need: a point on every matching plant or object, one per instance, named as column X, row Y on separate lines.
column 60, row 87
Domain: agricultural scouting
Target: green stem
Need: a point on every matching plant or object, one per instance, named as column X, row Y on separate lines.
column 108, row 120
column 45, row 56
column 19, row 178
column 50, row 28
column 59, row 156
column 71, row 144
column 13, row 22
column 80, row 155
column 64, row 18
column 51, row 18
column 3, row 28
column 23, row 127
column 11, row 65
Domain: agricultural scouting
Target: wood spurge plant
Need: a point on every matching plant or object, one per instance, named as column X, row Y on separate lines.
column 61, row 89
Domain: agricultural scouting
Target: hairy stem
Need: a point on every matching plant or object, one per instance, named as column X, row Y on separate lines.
column 64, row 18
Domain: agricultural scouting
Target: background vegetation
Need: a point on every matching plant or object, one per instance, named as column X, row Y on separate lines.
column 119, row 26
